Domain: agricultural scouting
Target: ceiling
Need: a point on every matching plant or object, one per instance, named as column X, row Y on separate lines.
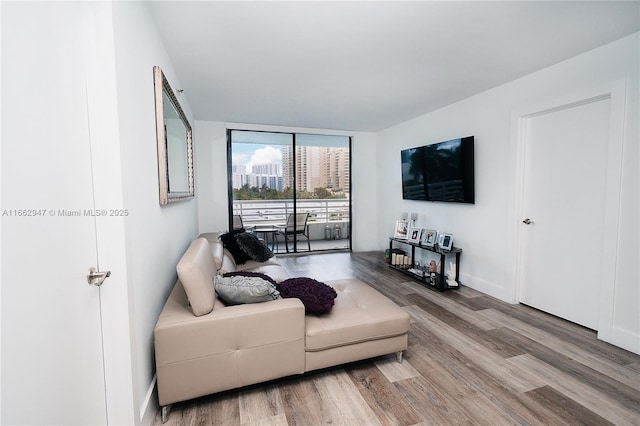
column 364, row 65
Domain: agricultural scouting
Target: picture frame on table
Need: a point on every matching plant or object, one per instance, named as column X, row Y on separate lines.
column 414, row 235
column 445, row 241
column 429, row 237
column 402, row 229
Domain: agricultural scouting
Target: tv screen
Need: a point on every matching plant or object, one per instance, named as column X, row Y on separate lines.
column 442, row 171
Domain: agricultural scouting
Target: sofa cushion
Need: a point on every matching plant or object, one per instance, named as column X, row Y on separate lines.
column 231, row 244
column 238, row 289
column 360, row 314
column 253, row 247
column 317, row 297
column 195, row 270
column 217, row 249
column 228, row 264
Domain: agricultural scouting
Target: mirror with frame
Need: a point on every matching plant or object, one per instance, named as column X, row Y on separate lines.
column 175, row 147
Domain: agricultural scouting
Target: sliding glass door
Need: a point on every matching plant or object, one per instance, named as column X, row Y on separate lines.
column 293, row 190
column 322, row 189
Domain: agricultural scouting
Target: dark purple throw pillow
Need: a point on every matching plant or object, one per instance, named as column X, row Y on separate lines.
column 230, row 243
column 316, row 297
column 250, row 274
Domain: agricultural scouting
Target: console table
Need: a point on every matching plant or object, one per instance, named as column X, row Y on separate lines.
column 436, row 280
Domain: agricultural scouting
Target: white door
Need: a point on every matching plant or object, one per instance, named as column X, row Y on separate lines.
column 564, row 194
column 52, row 355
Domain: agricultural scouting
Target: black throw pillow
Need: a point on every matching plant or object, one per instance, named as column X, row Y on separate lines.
column 253, row 247
column 230, row 243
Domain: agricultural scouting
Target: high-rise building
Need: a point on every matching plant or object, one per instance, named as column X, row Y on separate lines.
column 260, row 175
column 239, row 175
column 335, row 164
column 266, row 169
column 316, row 167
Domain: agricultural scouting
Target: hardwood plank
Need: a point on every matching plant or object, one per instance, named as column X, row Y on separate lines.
column 485, row 358
column 530, row 315
column 406, row 287
column 258, row 404
column 564, row 330
column 472, row 359
column 598, row 402
column 469, row 292
column 634, row 366
column 626, row 395
column 442, row 373
column 393, row 370
column 461, row 311
column 302, row 402
column 418, row 334
column 381, row 395
column 342, row 403
column 616, row 371
column 566, row 408
column 279, row 420
column 466, row 326
column 431, row 404
column 508, row 403
column 222, row 409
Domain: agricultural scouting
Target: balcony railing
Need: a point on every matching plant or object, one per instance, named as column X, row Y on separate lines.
column 271, row 212
column 328, row 218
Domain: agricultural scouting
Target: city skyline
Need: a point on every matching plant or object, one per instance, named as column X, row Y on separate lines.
column 318, row 167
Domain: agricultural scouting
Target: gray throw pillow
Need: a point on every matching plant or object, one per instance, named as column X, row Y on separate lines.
column 238, row 289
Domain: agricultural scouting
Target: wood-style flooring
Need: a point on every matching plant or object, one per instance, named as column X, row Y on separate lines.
column 471, row 360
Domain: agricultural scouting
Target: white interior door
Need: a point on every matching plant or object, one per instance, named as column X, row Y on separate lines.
column 52, row 355
column 564, row 196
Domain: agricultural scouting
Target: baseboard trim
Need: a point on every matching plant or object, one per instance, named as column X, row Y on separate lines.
column 149, row 407
column 622, row 338
column 487, row 287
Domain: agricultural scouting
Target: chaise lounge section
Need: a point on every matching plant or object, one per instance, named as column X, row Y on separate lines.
column 204, row 346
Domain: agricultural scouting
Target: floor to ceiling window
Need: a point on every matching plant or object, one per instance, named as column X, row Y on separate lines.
column 291, row 189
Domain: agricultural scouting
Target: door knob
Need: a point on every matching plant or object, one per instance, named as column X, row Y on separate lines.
column 96, row 278
column 527, row 221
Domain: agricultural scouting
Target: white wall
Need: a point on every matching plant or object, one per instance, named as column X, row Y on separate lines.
column 142, row 249
column 156, row 237
column 210, row 148
column 365, row 194
column 482, row 230
column 210, row 145
column 45, row 124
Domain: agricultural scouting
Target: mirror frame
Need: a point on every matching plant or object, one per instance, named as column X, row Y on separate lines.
column 161, row 88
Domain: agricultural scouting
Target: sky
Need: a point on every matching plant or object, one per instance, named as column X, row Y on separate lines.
column 250, row 154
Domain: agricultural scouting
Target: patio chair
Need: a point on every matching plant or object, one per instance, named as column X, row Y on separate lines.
column 295, row 227
column 237, row 222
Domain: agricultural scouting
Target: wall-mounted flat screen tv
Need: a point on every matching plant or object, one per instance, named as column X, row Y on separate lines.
column 442, row 171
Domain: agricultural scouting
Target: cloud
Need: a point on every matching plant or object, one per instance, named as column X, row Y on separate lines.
column 266, row 155
column 239, row 158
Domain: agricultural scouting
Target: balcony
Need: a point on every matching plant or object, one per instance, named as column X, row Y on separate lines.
column 328, row 221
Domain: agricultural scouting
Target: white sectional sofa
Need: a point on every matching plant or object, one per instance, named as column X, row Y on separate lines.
column 203, row 346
